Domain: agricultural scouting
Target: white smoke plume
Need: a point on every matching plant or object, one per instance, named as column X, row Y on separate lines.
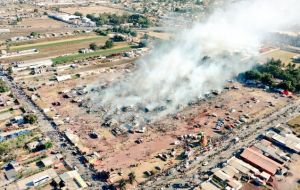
column 202, row 58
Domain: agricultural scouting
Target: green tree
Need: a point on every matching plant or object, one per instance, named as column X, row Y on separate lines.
column 286, row 85
column 30, row 118
column 34, row 34
column 48, row 144
column 78, row 14
column 253, row 75
column 267, row 79
column 143, row 43
column 19, row 19
column 3, row 87
column 118, row 38
column 131, row 177
column 93, row 46
column 109, row 44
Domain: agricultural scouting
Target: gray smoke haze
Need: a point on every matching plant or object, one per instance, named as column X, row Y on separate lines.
column 178, row 72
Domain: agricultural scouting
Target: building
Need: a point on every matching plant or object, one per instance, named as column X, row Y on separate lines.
column 35, row 180
column 72, row 180
column 85, row 50
column 260, row 161
column 296, row 59
column 63, row 78
column 243, row 167
column 33, row 146
column 11, row 174
column 287, row 141
column 207, row 185
column 4, row 30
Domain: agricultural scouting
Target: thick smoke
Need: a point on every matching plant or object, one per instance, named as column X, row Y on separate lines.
column 199, row 59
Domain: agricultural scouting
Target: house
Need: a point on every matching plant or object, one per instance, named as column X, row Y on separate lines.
column 85, row 50
column 36, row 179
column 11, row 174
column 227, row 180
column 207, row 185
column 2, row 101
column 18, row 120
column 47, row 161
column 13, row 165
column 35, row 145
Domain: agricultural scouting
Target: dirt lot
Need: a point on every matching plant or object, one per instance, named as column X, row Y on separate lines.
column 93, row 9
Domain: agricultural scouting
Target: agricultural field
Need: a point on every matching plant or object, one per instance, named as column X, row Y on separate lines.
column 50, row 49
column 284, row 56
column 47, row 44
column 69, row 58
column 93, row 9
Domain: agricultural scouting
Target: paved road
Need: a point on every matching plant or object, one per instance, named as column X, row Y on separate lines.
column 50, row 130
column 248, row 135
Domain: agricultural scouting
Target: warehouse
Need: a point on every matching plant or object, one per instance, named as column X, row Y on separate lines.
column 257, row 159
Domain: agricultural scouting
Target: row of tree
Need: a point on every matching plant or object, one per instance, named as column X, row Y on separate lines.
column 276, row 75
column 114, row 19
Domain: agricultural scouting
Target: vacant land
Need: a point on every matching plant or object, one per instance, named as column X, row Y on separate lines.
column 295, row 124
column 93, row 9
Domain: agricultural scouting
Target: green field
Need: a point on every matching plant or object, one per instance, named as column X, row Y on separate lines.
column 55, row 43
column 295, row 124
column 69, row 58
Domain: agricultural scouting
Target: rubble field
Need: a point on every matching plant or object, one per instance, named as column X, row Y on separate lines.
column 138, row 150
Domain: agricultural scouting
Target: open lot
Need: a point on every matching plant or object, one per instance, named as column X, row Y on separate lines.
column 295, row 124
column 93, row 9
